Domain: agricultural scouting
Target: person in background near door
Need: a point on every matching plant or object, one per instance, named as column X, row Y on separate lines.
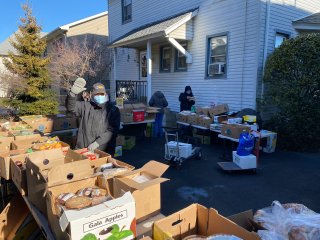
column 186, row 99
column 158, row 100
column 99, row 121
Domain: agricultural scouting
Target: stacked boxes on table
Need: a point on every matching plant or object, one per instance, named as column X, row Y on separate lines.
column 137, row 112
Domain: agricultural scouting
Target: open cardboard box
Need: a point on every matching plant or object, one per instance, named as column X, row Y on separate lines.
column 75, row 224
column 6, row 139
column 39, row 123
column 106, row 182
column 146, row 194
column 12, row 217
column 27, row 143
column 19, row 175
column 103, row 156
column 31, row 135
column 5, row 162
column 52, row 167
column 63, row 122
column 198, row 220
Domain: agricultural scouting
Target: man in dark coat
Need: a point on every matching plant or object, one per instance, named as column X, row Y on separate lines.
column 186, row 99
column 99, row 121
column 158, row 100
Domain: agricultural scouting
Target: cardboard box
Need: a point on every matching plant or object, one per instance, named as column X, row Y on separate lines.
column 102, row 157
column 63, row 122
column 144, row 229
column 205, row 122
column 19, row 175
column 182, row 118
column 234, row 120
column 118, row 151
column 12, row 216
column 39, row 123
column 5, row 162
column 15, row 126
column 197, row 219
column 25, row 135
column 27, row 143
column 76, row 224
column 139, row 106
column 233, row 130
column 171, row 148
column 203, row 110
column 245, row 162
column 106, row 182
column 5, row 141
column 52, row 167
column 150, row 116
column 129, row 142
column 126, row 117
column 193, row 119
column 127, row 108
column 220, row 119
column 147, row 193
column 219, row 109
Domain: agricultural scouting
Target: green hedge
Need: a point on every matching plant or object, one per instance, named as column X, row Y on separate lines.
column 292, row 77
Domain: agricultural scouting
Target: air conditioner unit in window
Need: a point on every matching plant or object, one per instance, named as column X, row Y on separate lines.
column 216, row 68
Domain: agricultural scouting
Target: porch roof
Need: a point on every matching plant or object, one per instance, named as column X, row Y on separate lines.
column 311, row 22
column 158, row 29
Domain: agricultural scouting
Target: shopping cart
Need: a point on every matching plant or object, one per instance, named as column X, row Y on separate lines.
column 177, row 152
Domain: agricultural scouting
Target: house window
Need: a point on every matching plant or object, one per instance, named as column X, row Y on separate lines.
column 180, row 60
column 126, row 11
column 280, row 38
column 217, row 56
column 165, row 59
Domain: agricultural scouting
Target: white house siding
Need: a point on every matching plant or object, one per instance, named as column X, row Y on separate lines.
column 239, row 88
column 184, row 32
column 282, row 13
column 3, row 87
column 144, row 12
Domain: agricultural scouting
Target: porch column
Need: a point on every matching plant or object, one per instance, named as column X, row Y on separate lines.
column 113, row 85
column 149, row 70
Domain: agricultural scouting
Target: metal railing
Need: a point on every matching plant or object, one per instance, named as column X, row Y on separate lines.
column 132, row 91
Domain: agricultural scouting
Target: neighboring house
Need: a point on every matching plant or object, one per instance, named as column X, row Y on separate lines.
column 218, row 47
column 94, row 29
column 309, row 24
column 5, row 48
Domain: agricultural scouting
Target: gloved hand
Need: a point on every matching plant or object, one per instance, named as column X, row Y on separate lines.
column 78, row 86
column 93, row 146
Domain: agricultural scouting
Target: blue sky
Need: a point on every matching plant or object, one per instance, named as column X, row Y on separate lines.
column 49, row 13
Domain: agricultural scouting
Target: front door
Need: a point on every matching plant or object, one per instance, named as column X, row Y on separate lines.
column 143, row 65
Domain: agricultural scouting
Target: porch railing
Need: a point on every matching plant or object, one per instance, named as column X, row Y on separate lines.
column 132, row 91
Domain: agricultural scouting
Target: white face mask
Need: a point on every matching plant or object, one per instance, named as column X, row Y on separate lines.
column 101, row 99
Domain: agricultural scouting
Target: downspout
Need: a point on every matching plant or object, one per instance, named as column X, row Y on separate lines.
column 265, row 51
column 244, row 51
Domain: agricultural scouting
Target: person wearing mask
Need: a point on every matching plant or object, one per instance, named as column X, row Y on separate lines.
column 158, row 100
column 99, row 121
column 186, row 99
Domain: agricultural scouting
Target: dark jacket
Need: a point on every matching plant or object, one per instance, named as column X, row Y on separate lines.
column 94, row 122
column 185, row 104
column 158, row 100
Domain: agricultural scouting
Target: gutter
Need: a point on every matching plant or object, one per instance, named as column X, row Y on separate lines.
column 265, row 51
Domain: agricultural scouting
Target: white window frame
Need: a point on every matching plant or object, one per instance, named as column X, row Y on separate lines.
column 209, row 55
column 178, row 54
column 161, row 58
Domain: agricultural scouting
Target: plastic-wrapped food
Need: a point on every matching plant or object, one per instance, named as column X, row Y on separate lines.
column 92, row 192
column 63, row 197
column 223, row 237
column 288, row 222
column 113, row 171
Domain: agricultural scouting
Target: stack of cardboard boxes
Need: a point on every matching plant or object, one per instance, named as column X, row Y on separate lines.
column 127, row 112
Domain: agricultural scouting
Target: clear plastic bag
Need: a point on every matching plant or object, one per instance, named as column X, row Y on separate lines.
column 289, row 222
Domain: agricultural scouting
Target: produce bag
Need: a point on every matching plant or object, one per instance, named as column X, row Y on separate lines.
column 246, row 144
column 288, row 222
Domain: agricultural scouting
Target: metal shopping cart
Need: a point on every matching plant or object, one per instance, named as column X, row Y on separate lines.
column 177, row 152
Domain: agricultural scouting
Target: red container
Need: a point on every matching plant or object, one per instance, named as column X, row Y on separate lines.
column 138, row 115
